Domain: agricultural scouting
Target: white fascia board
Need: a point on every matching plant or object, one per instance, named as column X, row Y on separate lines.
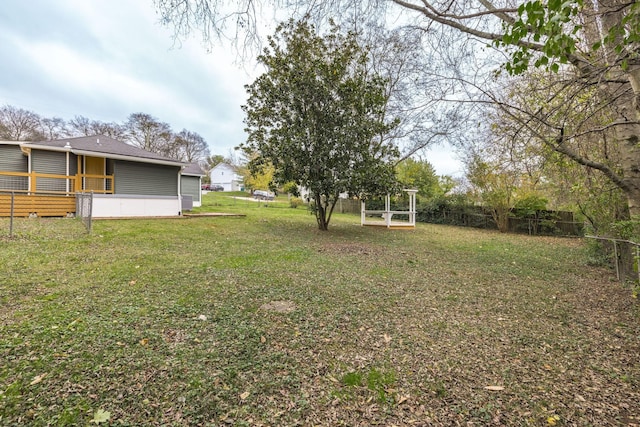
column 129, row 158
column 108, row 155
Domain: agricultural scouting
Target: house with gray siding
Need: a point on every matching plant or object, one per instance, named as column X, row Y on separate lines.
column 125, row 180
column 191, row 184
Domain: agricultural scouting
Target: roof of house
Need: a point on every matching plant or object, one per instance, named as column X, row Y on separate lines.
column 193, row 169
column 223, row 165
column 104, row 147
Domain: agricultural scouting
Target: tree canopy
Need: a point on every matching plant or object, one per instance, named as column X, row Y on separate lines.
column 317, row 115
column 420, row 175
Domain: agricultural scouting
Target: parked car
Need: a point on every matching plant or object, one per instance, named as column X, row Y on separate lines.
column 212, row 187
column 263, row 195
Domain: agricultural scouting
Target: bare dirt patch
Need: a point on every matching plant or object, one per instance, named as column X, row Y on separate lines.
column 279, row 306
column 349, row 249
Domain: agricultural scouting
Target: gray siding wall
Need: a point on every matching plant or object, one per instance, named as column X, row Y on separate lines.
column 53, row 162
column 190, row 186
column 12, row 160
column 145, row 179
column 49, row 162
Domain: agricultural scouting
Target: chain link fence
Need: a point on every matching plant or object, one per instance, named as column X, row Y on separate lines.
column 544, row 223
column 84, row 209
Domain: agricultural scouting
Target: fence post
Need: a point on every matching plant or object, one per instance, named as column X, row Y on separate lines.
column 90, row 212
column 638, row 262
column 615, row 254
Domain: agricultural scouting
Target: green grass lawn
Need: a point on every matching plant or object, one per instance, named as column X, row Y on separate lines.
column 264, row 320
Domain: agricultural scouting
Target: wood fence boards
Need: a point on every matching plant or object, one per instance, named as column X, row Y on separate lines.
column 41, row 205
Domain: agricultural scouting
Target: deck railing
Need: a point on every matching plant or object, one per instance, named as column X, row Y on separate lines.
column 36, row 182
column 45, row 194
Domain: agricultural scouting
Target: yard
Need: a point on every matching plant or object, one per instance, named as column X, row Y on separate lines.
column 263, row 320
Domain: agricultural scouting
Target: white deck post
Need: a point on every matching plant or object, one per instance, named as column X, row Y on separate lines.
column 387, row 210
column 412, row 206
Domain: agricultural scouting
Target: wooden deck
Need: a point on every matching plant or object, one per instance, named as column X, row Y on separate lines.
column 392, row 226
column 38, row 204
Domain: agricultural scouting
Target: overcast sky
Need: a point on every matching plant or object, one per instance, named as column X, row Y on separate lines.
column 106, row 59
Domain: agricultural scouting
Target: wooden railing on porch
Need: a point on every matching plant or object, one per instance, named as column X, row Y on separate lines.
column 34, row 182
column 46, row 194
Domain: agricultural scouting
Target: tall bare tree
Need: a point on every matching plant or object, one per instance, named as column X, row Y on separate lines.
column 53, row 128
column 191, row 147
column 147, row 132
column 17, row 124
column 413, row 97
column 83, row 126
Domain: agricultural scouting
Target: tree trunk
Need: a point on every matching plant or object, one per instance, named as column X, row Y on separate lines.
column 321, row 214
column 501, row 218
column 628, row 137
column 628, row 134
column 627, row 106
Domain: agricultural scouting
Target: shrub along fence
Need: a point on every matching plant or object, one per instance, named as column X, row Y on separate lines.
column 555, row 223
column 543, row 222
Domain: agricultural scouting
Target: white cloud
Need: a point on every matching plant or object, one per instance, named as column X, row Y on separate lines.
column 444, row 160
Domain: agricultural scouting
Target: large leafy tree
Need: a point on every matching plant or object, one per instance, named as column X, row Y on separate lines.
column 317, row 115
column 419, row 174
column 262, row 180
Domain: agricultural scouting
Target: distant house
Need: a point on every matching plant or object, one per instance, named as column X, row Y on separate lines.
column 191, row 184
column 225, row 175
column 126, row 181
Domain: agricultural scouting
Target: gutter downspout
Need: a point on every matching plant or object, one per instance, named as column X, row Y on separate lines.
column 180, row 189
